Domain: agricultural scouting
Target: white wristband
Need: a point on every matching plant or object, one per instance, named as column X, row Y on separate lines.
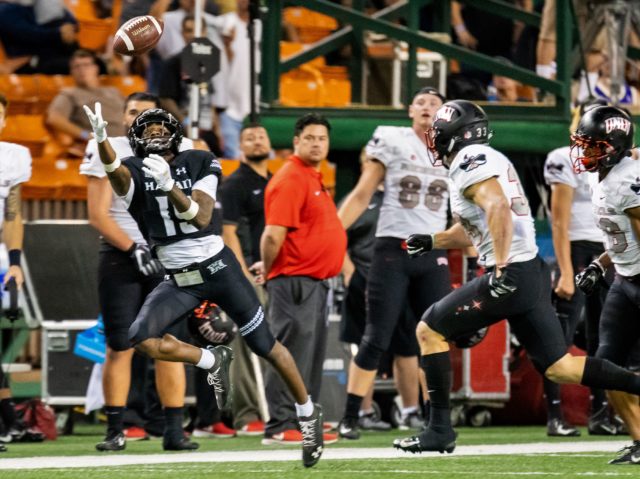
column 191, row 212
column 111, row 167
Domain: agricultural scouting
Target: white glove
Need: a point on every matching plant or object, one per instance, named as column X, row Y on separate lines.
column 98, row 125
column 159, row 170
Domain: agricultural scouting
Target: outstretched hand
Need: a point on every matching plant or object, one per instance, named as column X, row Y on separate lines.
column 98, row 125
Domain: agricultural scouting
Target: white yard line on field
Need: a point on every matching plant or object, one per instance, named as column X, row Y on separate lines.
column 270, row 455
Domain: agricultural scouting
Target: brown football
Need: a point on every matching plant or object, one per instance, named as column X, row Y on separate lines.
column 138, row 35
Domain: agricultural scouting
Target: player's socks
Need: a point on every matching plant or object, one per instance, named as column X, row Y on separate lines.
column 552, row 396
column 352, row 408
column 173, row 417
column 601, row 373
column 115, row 419
column 437, row 368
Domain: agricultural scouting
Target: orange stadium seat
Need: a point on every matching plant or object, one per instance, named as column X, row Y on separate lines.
column 55, row 180
column 290, row 48
column 94, row 34
column 229, row 166
column 27, row 130
column 127, row 84
column 274, row 164
column 338, row 93
column 302, row 87
column 311, row 26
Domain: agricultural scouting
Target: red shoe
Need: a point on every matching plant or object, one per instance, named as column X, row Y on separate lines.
column 218, row 429
column 135, row 433
column 329, row 438
column 328, row 427
column 253, row 428
column 290, row 436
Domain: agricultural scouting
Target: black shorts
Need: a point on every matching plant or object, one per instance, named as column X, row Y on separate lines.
column 397, row 282
column 354, row 310
column 529, row 311
column 122, row 290
column 620, row 324
column 224, row 284
column 570, row 311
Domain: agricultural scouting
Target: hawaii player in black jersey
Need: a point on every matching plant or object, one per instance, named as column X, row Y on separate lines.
column 171, row 195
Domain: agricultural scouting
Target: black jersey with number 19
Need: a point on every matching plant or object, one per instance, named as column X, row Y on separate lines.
column 150, row 206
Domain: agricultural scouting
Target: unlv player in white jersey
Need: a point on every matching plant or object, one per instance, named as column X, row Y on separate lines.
column 602, row 143
column 415, row 198
column 493, row 215
column 15, row 169
column 577, row 241
column 127, row 274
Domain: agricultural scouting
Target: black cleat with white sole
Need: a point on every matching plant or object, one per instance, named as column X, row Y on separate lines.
column 218, row 376
column 429, row 440
column 628, row 455
column 559, row 428
column 113, row 442
column 349, row 429
column 312, row 429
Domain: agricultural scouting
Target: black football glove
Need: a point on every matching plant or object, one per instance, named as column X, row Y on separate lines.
column 11, row 287
column 417, row 245
column 501, row 287
column 146, row 264
column 472, row 268
column 588, row 278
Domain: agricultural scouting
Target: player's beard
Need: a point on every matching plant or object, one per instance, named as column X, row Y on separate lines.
column 257, row 158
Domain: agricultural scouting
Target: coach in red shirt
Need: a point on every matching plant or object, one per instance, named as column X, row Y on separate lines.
column 302, row 245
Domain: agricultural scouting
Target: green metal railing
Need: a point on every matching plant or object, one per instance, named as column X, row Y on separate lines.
column 355, row 22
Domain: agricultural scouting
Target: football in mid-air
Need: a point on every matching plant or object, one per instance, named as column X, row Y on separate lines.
column 138, row 35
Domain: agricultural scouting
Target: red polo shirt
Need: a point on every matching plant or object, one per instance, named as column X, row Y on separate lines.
column 316, row 242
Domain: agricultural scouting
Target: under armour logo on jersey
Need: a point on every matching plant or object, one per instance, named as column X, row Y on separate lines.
column 617, row 123
column 216, row 266
column 181, row 171
column 555, row 168
column 636, row 186
column 472, row 162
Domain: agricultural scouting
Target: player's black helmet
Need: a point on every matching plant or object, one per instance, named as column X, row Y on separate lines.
column 158, row 144
column 457, row 123
column 604, row 137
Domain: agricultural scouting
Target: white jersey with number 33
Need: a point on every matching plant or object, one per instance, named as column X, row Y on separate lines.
column 415, row 193
column 611, row 197
column 475, row 164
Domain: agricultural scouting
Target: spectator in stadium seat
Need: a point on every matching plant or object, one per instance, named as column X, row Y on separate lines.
column 41, row 30
column 239, row 90
column 175, row 93
column 15, row 169
column 128, row 273
column 65, row 113
column 242, row 196
column 303, row 244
